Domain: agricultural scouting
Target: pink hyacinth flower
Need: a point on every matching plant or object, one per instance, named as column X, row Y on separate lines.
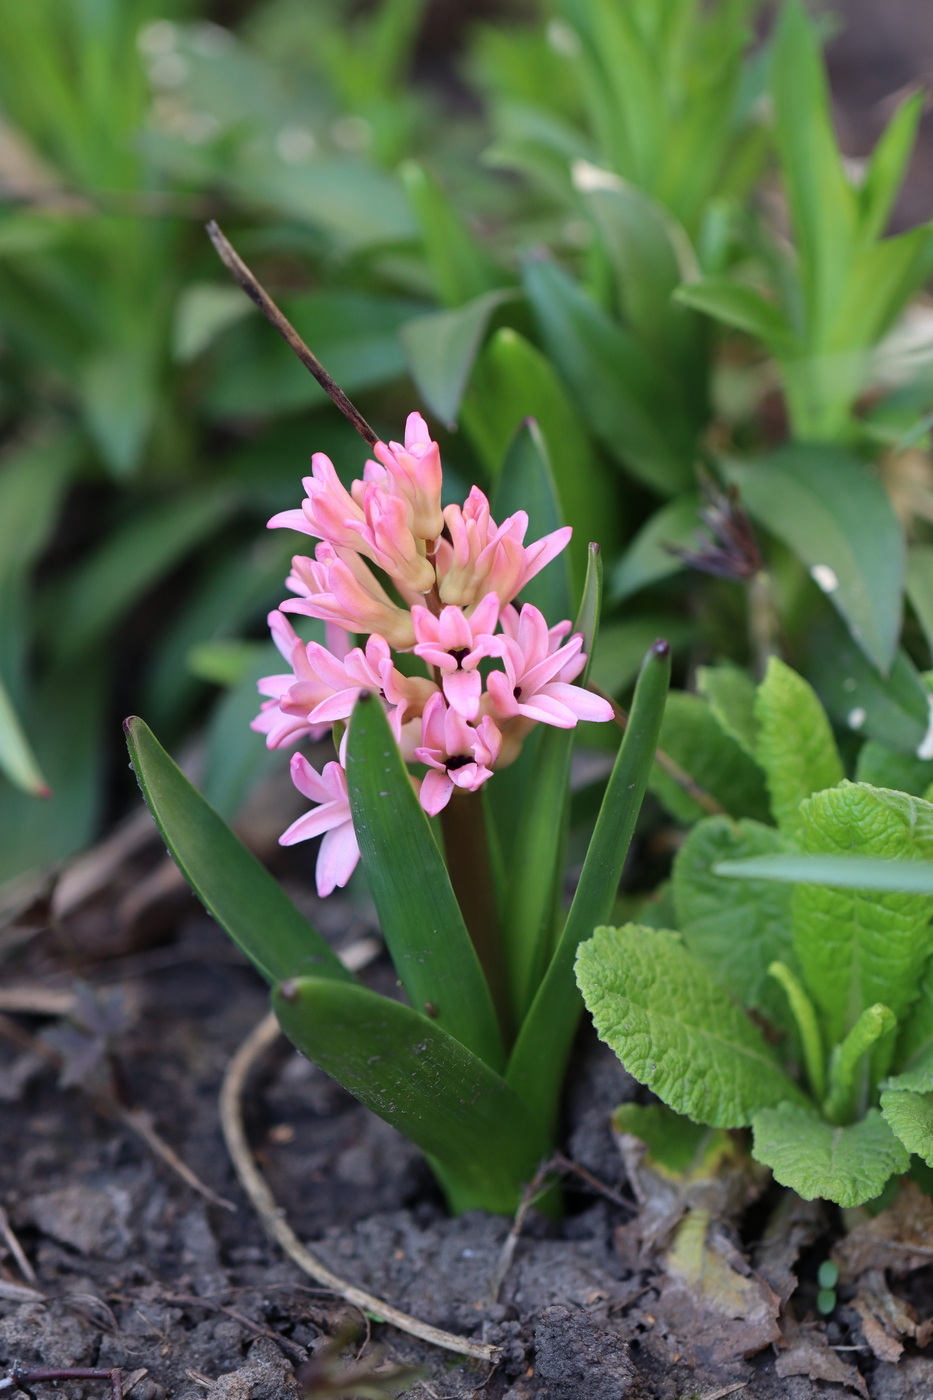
column 285, row 725
column 413, row 472
column 339, row 851
column 338, row 587
column 456, row 644
column 376, row 524
column 458, row 754
column 538, row 671
column 483, row 557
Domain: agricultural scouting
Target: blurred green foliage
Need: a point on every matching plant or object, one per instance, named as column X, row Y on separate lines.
column 627, row 219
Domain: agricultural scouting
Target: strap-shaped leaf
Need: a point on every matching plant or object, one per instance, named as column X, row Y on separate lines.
column 845, row 1165
column 835, row 872
column 227, row 878
column 630, row 402
column 418, row 912
column 526, row 482
column 477, row 1133
column 17, row 759
column 535, row 869
column 536, row 1066
column 676, row 1030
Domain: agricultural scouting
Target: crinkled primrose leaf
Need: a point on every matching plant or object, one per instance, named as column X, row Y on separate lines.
column 795, row 746
column 848, row 1165
column 676, row 1030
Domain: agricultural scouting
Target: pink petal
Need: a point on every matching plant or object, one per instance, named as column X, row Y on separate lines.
column 336, row 859
column 339, row 706
column 435, row 792
column 463, row 690
column 308, row 780
column 324, row 818
column 583, row 703
column 548, row 711
column 290, row 520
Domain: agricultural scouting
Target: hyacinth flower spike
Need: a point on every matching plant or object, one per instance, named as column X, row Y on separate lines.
column 417, row 604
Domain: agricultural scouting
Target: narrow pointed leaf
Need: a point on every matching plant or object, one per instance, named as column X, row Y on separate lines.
column 418, row 911
column 441, row 347
column 647, row 559
column 17, row 759
column 417, row 1077
column 835, row 872
column 227, row 878
column 848, row 1073
column 741, row 307
column 537, row 1063
column 536, row 865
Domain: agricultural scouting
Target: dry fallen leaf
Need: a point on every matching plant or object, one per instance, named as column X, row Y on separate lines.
column 886, row 1319
column 899, row 1238
column 793, row 1226
column 809, row 1357
column 718, row 1308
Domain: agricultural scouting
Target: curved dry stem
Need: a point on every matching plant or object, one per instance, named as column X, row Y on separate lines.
column 272, row 1217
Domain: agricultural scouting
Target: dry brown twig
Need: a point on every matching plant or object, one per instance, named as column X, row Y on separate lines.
column 15, row 1248
column 277, row 1227
column 258, row 294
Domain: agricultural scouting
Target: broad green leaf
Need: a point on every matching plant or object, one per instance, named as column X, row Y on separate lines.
column 64, row 721
column 894, row 709
column 796, row 747
column 17, row 759
column 537, row 1063
column 917, row 1078
column 230, row 882
column 815, row 1158
column 348, row 198
column 920, row 586
column 236, row 759
column 910, row 1116
column 526, row 482
column 676, row 1030
column 627, row 400
column 647, row 559
column 849, row 1077
column 736, row 930
column 535, row 866
column 831, row 509
column 441, row 347
column 674, row 1143
column 741, row 307
column 896, row 876
column 131, row 560
column 856, row 947
column 224, row 660
column 884, row 767
column 461, row 269
column 512, row 381
column 474, row 1129
column 730, row 692
column 695, row 740
column 418, row 912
